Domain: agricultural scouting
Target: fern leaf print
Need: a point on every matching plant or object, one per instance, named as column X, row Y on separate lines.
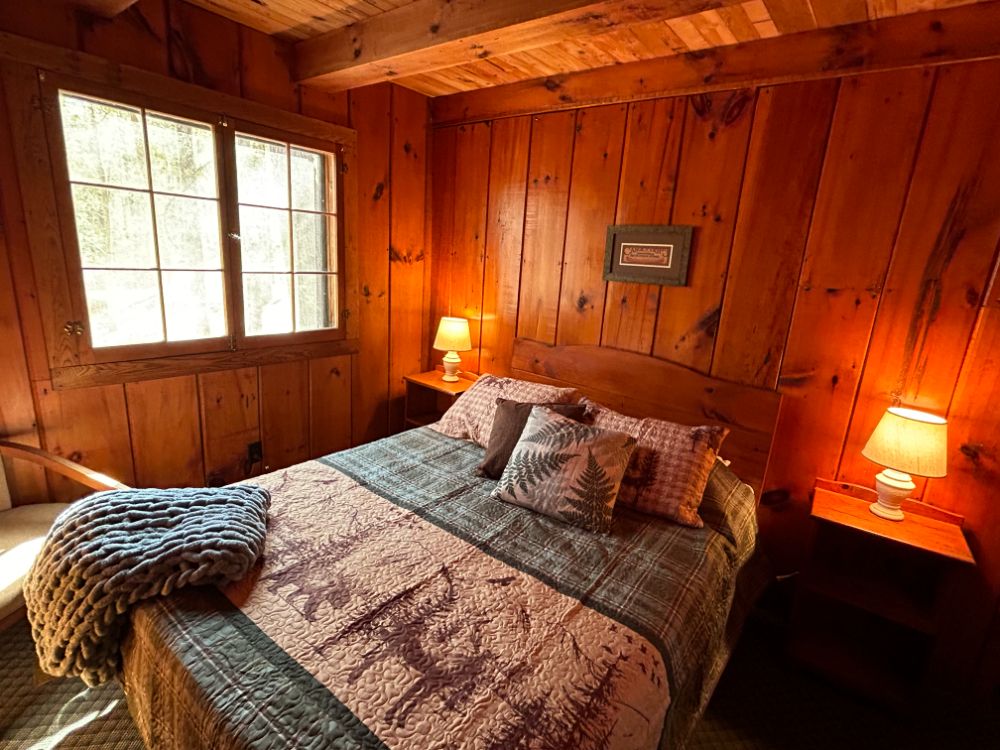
column 556, row 436
column 590, row 501
column 528, row 468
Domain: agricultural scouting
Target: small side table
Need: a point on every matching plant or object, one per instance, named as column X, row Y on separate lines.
column 874, row 594
column 428, row 397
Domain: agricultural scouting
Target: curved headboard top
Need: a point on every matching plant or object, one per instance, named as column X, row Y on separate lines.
column 643, row 386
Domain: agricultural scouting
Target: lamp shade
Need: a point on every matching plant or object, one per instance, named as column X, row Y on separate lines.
column 453, row 335
column 911, row 441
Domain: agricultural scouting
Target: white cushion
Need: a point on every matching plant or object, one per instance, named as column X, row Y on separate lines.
column 22, row 532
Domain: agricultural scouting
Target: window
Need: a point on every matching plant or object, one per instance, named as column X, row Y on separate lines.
column 191, row 231
column 286, row 216
column 146, row 210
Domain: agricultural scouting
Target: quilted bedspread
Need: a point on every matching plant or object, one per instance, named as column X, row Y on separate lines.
column 398, row 606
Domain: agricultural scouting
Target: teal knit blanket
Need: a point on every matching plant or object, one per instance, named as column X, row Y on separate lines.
column 112, row 549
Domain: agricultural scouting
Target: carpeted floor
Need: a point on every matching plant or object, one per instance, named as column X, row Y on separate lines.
column 38, row 713
column 762, row 703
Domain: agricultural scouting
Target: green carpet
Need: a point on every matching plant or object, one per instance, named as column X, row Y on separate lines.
column 762, row 703
column 38, row 713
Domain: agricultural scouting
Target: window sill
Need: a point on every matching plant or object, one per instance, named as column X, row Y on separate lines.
column 113, row 373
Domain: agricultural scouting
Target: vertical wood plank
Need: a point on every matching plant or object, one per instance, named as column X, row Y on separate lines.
column 406, row 249
column 713, row 156
column 593, row 194
column 27, row 129
column 645, row 196
column 165, row 427
column 942, row 260
column 370, row 116
column 970, row 487
column 53, row 23
column 333, row 107
column 329, row 404
column 866, row 174
column 203, row 48
column 19, row 254
column 775, row 207
column 137, row 36
column 504, row 235
column 230, row 422
column 350, row 304
column 25, row 482
column 549, row 167
column 468, row 232
column 284, row 414
column 86, row 425
column 265, row 72
column 444, row 186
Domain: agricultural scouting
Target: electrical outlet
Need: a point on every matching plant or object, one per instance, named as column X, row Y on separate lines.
column 255, row 453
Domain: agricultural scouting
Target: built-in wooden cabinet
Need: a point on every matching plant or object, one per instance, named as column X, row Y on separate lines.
column 428, row 397
column 871, row 600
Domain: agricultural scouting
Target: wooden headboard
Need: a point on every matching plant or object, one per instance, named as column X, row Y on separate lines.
column 644, row 386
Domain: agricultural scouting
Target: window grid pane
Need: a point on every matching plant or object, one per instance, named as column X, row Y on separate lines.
column 104, row 142
column 306, row 259
column 182, row 156
column 130, row 232
column 156, row 243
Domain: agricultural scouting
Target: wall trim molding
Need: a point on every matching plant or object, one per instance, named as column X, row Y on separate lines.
column 114, row 373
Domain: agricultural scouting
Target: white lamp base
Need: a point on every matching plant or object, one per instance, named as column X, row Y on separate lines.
column 893, row 488
column 451, row 362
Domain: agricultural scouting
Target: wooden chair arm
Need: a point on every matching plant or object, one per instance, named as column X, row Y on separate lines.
column 93, row 479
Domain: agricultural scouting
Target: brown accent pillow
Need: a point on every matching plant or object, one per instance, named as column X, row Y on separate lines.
column 508, row 424
column 669, row 467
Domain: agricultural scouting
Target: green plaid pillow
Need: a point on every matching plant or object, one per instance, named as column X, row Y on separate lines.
column 566, row 470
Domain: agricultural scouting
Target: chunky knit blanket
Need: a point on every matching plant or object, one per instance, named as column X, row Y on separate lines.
column 112, row 549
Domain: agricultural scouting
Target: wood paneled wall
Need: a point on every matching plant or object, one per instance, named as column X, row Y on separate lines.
column 194, row 429
column 846, row 238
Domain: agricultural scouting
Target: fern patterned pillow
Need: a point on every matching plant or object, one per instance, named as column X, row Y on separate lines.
column 566, row 470
column 471, row 416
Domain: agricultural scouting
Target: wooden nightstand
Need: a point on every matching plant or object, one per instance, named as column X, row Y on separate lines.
column 869, row 604
column 428, row 396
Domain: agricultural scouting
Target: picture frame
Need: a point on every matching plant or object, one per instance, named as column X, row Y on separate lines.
column 648, row 254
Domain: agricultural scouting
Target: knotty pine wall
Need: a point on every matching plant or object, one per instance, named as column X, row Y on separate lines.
column 846, row 239
column 195, row 429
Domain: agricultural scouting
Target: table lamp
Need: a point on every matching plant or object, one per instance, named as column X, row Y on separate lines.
column 905, row 442
column 452, row 337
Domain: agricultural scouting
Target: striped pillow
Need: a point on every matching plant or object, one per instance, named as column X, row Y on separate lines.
column 670, row 465
column 471, row 416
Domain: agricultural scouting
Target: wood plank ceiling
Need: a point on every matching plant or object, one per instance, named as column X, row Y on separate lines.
column 611, row 34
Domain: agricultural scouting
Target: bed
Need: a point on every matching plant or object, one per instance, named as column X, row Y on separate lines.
column 397, row 605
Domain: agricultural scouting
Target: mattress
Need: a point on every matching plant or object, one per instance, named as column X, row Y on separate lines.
column 398, row 606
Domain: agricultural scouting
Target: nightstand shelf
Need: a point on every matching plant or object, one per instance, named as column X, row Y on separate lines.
column 869, row 601
column 428, row 397
column 846, row 651
column 422, row 420
column 876, row 597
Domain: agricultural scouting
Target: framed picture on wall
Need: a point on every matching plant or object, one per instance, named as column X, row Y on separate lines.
column 648, row 254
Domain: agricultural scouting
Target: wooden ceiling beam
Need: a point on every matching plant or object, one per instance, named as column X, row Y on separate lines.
column 963, row 33
column 429, row 35
column 105, row 8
